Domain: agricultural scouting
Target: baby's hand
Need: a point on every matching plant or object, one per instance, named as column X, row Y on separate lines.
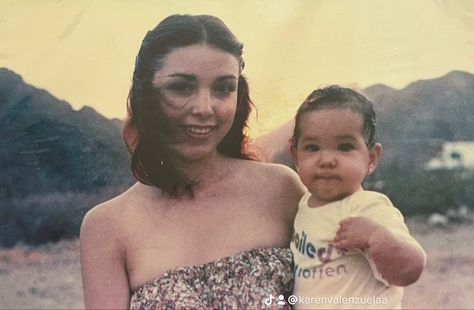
column 355, row 232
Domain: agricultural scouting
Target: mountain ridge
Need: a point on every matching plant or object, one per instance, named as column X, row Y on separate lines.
column 431, row 111
column 48, row 146
column 54, row 160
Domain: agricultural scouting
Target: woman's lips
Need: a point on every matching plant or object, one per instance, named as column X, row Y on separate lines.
column 199, row 132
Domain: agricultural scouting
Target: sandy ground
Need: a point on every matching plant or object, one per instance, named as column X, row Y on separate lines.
column 48, row 277
column 448, row 279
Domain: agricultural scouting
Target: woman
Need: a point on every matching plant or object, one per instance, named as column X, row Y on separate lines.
column 205, row 226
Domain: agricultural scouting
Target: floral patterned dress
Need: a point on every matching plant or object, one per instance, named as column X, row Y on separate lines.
column 259, row 278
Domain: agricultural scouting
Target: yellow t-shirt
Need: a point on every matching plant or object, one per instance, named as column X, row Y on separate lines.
column 327, row 277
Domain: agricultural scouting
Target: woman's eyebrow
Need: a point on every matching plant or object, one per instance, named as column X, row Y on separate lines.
column 188, row 76
column 226, row 77
column 182, row 75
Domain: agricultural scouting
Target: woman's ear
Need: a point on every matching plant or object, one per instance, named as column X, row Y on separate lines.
column 130, row 135
column 294, row 153
column 374, row 157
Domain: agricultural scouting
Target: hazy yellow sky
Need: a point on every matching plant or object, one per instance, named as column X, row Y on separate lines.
column 83, row 51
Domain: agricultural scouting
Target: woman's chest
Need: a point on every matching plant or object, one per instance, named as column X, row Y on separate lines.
column 190, row 235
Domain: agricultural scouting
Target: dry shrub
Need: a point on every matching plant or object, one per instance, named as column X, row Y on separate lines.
column 39, row 219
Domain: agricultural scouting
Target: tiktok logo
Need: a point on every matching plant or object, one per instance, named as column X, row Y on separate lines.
column 269, row 300
column 280, row 302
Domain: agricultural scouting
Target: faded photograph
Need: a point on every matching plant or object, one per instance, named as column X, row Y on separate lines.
column 222, row 154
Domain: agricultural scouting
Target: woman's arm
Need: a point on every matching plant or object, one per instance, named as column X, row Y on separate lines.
column 287, row 190
column 104, row 276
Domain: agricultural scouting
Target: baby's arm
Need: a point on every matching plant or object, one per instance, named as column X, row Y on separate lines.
column 399, row 261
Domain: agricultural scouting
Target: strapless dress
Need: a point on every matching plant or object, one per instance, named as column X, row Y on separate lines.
column 255, row 279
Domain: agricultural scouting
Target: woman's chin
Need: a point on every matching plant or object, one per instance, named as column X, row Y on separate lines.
column 194, row 154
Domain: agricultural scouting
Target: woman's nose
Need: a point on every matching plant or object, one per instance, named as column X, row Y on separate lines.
column 202, row 105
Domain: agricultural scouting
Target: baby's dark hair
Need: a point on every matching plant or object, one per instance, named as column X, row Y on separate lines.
column 335, row 96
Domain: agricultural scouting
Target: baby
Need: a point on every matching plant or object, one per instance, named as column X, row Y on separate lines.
column 351, row 247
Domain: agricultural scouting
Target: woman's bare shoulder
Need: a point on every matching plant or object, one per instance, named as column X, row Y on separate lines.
column 273, row 172
column 103, row 251
column 109, row 217
column 275, row 177
column 111, row 208
column 276, row 186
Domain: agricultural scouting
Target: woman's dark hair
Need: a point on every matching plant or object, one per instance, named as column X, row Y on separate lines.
column 338, row 97
column 150, row 164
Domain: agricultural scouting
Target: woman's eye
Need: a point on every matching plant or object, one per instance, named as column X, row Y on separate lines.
column 311, row 148
column 224, row 88
column 180, row 87
column 345, row 147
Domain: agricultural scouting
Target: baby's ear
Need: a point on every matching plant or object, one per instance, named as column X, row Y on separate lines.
column 374, row 156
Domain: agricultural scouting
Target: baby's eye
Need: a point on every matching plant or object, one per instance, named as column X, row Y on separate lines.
column 345, row 147
column 224, row 88
column 311, row 147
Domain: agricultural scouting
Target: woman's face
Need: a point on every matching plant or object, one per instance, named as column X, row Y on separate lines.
column 198, row 87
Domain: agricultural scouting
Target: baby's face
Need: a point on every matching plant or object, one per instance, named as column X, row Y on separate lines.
column 332, row 157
